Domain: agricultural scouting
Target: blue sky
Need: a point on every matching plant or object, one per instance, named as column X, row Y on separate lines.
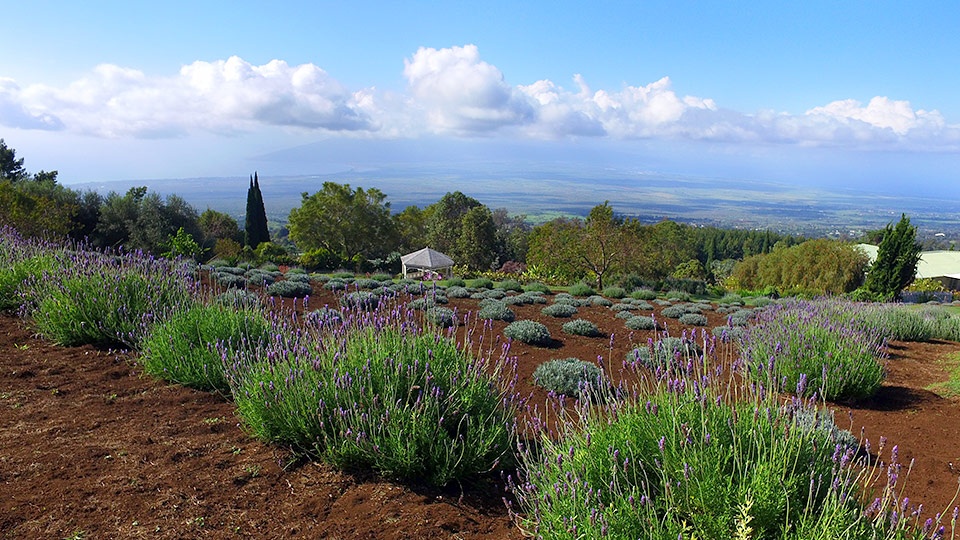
column 821, row 93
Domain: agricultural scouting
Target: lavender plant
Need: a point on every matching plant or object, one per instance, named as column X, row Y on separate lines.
column 821, row 343
column 377, row 392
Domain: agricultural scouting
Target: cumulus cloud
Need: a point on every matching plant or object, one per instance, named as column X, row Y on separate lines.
column 461, row 93
column 449, row 91
column 225, row 96
column 14, row 114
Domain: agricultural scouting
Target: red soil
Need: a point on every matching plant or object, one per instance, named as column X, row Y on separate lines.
column 89, row 446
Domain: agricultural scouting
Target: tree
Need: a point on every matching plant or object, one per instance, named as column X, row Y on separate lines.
column 216, row 226
column 819, row 266
column 11, row 168
column 897, row 259
column 255, row 224
column 412, row 226
column 477, row 235
column 596, row 246
column 344, row 221
column 445, row 221
column 145, row 221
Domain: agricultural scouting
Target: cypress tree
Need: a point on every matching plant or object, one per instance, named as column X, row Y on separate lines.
column 897, row 259
column 255, row 224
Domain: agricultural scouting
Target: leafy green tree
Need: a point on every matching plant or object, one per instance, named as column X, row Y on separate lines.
column 548, row 258
column 477, row 235
column 35, row 214
column 446, row 217
column 897, row 260
column 412, row 226
column 142, row 220
column 255, row 224
column 182, row 245
column 819, row 266
column 216, row 226
column 344, row 221
column 513, row 236
column 11, row 168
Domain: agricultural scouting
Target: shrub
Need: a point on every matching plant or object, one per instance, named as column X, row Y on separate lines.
column 673, row 312
column 366, row 283
column 364, row 300
column 495, row 294
column 582, row 289
column 14, row 277
column 455, row 291
column 529, row 332
column 641, row 323
column 441, row 316
column 518, row 300
column 297, row 277
column 677, row 296
column 816, row 347
column 643, row 294
column 481, row 283
column 269, row 267
column 667, row 354
column 188, row 347
column 693, row 319
column 335, row 284
column 681, row 462
column 731, row 299
column 536, row 286
column 260, row 277
column 624, row 314
column 110, row 301
column 581, row 327
column 346, row 276
column 382, row 277
column 510, row 285
column 568, row 376
column 289, row 289
column 497, row 310
column 622, row 307
column 238, row 298
column 228, row 280
column 614, row 292
column 600, row 301
column 373, row 403
column 559, row 310
column 324, row 317
column 727, row 334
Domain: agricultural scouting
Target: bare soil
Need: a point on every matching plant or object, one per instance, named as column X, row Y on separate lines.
column 92, row 448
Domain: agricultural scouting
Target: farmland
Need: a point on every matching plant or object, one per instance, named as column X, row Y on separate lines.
column 92, row 447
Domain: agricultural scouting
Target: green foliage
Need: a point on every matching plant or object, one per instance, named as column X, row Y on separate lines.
column 569, row 377
column 187, row 348
column 510, row 285
column 822, row 266
column 476, row 245
column 320, row 259
column 529, row 332
column 183, row 245
column 667, row 354
column 140, row 220
column 238, row 299
column 372, row 403
column 582, row 289
column 559, row 310
column 815, row 347
column 497, row 310
column 693, row 319
column 255, row 222
column 536, row 287
column 582, row 327
column 268, row 252
column 643, row 294
column 345, row 222
column 681, row 462
column 481, row 283
column 897, row 259
column 441, row 317
column 109, row 301
column 614, row 292
column 289, row 289
column 15, row 276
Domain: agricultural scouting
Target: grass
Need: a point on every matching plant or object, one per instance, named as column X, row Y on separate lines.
column 950, row 387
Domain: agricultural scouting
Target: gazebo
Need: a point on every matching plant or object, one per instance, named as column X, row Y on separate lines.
column 427, row 260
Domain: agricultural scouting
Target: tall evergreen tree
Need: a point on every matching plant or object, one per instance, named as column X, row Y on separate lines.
column 255, row 224
column 897, row 260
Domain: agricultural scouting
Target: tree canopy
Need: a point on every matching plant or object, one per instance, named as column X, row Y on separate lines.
column 344, row 221
column 897, row 259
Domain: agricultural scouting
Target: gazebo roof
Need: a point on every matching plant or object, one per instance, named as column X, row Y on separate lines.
column 426, row 258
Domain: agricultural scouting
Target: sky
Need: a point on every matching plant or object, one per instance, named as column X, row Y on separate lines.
column 850, row 94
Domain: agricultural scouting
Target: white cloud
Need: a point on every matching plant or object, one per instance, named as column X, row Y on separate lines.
column 449, row 91
column 226, row 96
column 461, row 93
